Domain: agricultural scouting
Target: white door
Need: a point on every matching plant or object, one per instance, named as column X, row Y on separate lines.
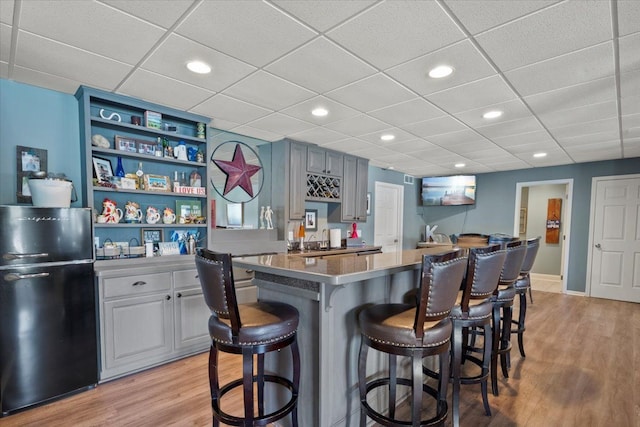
column 615, row 238
column 388, row 211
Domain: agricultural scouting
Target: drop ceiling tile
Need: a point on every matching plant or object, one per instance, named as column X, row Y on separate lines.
column 4, row 70
column 629, row 57
column 590, row 138
column 50, row 81
column 323, row 15
column 440, row 125
column 252, row 31
column 598, row 146
column 488, row 91
column 375, row 152
column 539, row 137
column 509, row 165
column 574, row 96
column 466, row 136
column 279, row 123
column 511, row 110
column 631, row 126
column 5, row 42
column 396, row 31
column 164, row 13
column 336, row 111
column 471, row 148
column 6, row 12
column 157, row 88
column 583, row 114
column 268, row 91
column 399, row 134
column 553, row 158
column 596, row 126
column 226, row 108
column 321, row 66
column 372, row 93
column 565, row 70
column 480, row 15
column 348, row 145
column 172, row 56
column 415, row 110
column 318, row 135
column 408, row 146
column 222, row 124
column 551, row 32
column 50, row 57
column 358, row 125
column 629, row 86
column 258, row 133
column 628, row 17
column 630, row 104
column 592, row 156
column 514, row 127
column 91, row 26
column 532, row 147
column 468, row 64
column 632, row 149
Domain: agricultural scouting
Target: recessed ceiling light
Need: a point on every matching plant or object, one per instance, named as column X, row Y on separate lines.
column 459, row 165
column 391, row 168
column 320, row 112
column 492, row 114
column 198, row 67
column 440, row 71
column 538, row 155
column 387, row 137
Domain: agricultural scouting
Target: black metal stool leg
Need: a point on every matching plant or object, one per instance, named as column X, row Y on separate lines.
column 362, row 382
column 260, row 384
column 247, row 380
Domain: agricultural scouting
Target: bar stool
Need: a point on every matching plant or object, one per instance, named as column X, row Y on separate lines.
column 523, row 285
column 503, row 304
column 416, row 331
column 473, row 309
column 248, row 329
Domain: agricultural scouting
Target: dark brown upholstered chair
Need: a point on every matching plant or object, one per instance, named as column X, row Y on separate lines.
column 416, row 331
column 473, row 309
column 503, row 302
column 247, row 329
column 523, row 285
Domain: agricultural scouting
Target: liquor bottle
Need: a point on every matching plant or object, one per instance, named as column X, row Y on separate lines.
column 301, row 235
column 159, row 148
column 140, row 175
column 119, row 168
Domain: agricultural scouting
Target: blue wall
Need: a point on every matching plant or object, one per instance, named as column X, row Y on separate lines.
column 38, row 118
column 45, row 119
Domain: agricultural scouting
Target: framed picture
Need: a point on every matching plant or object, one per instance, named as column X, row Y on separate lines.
column 126, row 144
column 311, row 219
column 187, row 210
column 181, row 236
column 147, row 148
column 368, row 204
column 102, row 168
column 28, row 160
column 156, row 183
column 235, row 215
column 154, row 235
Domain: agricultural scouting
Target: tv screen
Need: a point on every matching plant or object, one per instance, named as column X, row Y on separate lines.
column 449, row 190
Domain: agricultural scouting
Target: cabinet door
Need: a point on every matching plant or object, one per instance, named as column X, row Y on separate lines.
column 362, row 186
column 349, row 196
column 136, row 330
column 192, row 318
column 297, row 180
column 315, row 160
column 333, row 163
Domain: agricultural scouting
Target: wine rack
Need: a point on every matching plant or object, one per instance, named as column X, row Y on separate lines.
column 323, row 188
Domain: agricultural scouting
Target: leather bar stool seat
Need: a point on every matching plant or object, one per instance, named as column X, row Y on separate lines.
column 416, row 331
column 252, row 329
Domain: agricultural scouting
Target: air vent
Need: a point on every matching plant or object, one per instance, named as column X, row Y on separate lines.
column 408, row 179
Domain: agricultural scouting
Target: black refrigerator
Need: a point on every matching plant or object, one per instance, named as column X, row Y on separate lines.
column 48, row 333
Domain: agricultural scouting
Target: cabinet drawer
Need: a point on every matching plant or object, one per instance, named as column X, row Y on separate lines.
column 240, row 274
column 137, row 285
column 186, row 279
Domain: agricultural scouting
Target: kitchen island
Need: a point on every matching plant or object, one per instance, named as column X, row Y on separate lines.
column 329, row 292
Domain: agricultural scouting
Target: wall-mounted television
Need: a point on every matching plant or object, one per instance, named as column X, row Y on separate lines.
column 449, row 190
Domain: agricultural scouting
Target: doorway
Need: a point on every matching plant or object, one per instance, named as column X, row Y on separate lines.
column 388, row 211
column 530, row 220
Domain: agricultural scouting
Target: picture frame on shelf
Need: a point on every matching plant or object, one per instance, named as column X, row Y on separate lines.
column 180, row 236
column 311, row 219
column 102, row 169
column 187, row 210
column 126, row 144
column 235, row 215
column 157, row 183
column 28, row 160
column 154, row 235
column 147, row 148
column 153, row 120
column 168, row 248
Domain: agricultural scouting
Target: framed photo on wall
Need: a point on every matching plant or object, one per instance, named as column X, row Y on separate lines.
column 28, row 161
column 311, row 219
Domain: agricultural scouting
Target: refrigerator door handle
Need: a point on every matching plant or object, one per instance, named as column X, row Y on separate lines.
column 12, row 277
column 13, row 255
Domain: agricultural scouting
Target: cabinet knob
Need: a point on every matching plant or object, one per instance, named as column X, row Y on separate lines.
column 179, row 295
column 168, row 297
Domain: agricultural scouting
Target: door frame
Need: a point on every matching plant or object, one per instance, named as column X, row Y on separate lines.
column 566, row 218
column 399, row 210
column 592, row 211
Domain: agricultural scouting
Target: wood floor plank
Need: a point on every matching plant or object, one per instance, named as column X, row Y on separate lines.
column 582, row 369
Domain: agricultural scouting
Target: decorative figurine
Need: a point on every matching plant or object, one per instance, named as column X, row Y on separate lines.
column 262, row 217
column 267, row 216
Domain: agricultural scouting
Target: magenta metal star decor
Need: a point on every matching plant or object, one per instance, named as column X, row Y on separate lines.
column 238, row 172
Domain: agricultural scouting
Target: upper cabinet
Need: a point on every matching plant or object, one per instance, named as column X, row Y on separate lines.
column 354, row 190
column 323, row 161
column 161, row 152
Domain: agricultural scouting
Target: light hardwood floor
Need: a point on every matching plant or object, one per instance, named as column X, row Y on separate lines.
column 582, row 369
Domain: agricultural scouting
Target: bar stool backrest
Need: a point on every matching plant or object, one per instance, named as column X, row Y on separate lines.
column 483, row 272
column 532, row 250
column 216, row 280
column 516, row 251
column 440, row 281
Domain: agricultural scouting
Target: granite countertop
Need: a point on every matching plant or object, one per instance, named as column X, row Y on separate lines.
column 334, row 251
column 336, row 270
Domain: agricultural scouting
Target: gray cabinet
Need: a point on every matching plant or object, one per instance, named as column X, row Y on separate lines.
column 323, row 161
column 354, row 190
column 149, row 315
column 297, row 180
